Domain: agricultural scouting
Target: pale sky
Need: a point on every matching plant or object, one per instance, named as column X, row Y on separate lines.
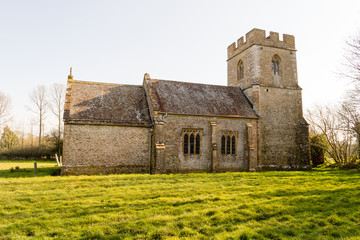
column 118, row 41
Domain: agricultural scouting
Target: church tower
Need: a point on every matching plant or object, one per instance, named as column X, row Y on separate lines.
column 265, row 68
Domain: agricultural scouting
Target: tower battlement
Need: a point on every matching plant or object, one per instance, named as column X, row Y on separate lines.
column 258, row 37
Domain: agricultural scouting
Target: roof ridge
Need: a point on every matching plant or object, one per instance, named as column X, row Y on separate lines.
column 103, row 83
column 192, row 83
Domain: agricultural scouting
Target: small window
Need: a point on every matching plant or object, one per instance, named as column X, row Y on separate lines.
column 192, row 141
column 228, row 143
column 275, row 65
column 240, row 70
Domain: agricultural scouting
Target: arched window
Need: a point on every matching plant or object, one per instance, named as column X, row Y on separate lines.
column 197, row 144
column 223, row 144
column 233, row 145
column 275, row 65
column 186, row 143
column 240, row 70
column 192, row 144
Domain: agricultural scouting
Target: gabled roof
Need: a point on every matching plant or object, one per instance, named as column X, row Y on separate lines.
column 103, row 103
column 198, row 99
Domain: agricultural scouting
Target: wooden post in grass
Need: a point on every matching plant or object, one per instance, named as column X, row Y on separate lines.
column 60, row 160
column 35, row 166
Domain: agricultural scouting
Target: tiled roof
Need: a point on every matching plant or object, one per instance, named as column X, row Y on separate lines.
column 89, row 102
column 198, row 99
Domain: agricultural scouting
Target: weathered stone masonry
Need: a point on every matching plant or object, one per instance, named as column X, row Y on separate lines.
column 283, row 133
column 104, row 149
column 98, row 140
column 210, row 159
column 255, row 123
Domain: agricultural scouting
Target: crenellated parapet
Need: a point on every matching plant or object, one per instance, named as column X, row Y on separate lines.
column 258, row 37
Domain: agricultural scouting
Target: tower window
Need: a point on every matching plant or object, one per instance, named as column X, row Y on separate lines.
column 240, row 70
column 192, row 141
column 228, row 143
column 275, row 65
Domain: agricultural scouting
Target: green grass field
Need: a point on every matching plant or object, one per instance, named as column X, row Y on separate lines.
column 320, row 204
column 6, row 165
column 25, row 168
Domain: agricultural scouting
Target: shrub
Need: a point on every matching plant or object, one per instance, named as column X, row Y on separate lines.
column 318, row 148
column 351, row 165
column 47, row 152
column 56, row 172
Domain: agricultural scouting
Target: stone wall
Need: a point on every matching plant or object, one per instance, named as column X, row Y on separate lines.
column 251, row 68
column 171, row 131
column 258, row 70
column 283, row 133
column 283, row 137
column 95, row 149
column 288, row 70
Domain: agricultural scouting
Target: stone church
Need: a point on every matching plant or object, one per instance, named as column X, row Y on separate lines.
column 255, row 123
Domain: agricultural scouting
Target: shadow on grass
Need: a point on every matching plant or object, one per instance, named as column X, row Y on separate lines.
column 320, row 206
column 305, row 214
column 331, row 172
column 30, row 172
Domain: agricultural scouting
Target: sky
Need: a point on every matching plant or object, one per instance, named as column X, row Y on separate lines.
column 118, row 41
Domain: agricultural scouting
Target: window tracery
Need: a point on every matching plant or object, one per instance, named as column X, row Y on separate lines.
column 192, row 141
column 228, row 142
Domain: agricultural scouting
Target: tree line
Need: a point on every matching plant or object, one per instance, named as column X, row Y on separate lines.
column 14, row 143
column 335, row 131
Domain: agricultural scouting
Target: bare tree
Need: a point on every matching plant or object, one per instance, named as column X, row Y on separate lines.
column 352, row 64
column 353, row 58
column 326, row 121
column 57, row 105
column 350, row 109
column 349, row 116
column 4, row 108
column 40, row 103
column 32, row 123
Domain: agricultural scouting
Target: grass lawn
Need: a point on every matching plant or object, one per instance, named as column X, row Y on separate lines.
column 29, row 164
column 320, row 204
column 25, row 168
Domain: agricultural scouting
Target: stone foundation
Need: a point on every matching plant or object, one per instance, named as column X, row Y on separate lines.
column 96, row 170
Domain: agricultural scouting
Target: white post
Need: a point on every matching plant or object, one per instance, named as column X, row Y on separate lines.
column 57, row 159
